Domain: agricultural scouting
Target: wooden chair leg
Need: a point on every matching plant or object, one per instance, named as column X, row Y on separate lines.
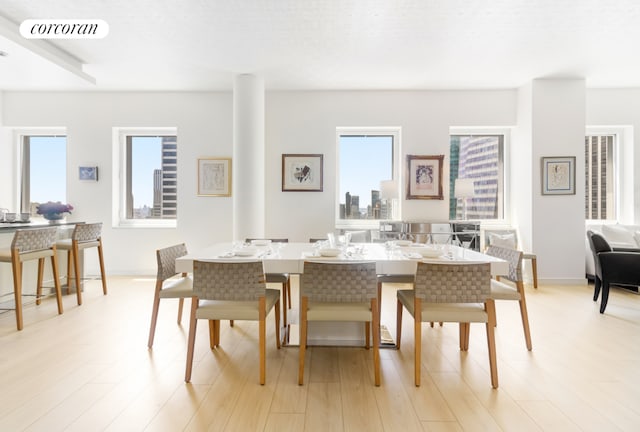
column 534, row 269
column 286, row 292
column 192, row 339
column 212, row 334
column 417, row 339
column 376, row 341
column 304, row 303
column 277, row 320
column 17, row 290
column 56, row 280
column 398, row 323
column 379, row 301
column 367, row 334
column 69, row 270
column 525, row 316
column 154, row 316
column 262, row 329
column 490, row 307
column 39, row 282
column 103, row 276
column 76, row 269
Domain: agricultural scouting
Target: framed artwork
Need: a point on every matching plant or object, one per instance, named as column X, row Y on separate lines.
column 214, row 177
column 424, row 177
column 302, row 172
column 559, row 175
column 88, row 173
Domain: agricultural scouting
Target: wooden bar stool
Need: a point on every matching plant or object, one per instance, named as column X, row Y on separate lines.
column 84, row 236
column 32, row 244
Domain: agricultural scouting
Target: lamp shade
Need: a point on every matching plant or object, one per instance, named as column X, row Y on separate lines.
column 464, row 188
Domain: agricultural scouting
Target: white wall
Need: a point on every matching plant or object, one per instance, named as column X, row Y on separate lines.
column 295, row 122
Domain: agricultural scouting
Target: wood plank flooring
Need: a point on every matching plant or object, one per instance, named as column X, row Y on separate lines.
column 90, row 370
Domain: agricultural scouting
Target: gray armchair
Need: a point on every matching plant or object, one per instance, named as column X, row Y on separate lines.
column 621, row 268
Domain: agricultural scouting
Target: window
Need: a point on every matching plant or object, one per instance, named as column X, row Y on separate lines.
column 43, row 170
column 367, row 179
column 480, row 158
column 148, row 161
column 600, row 176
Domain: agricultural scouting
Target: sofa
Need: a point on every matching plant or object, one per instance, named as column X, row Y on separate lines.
column 619, row 236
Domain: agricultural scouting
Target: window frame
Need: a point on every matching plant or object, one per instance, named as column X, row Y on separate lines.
column 121, row 181
column 396, row 133
column 22, row 197
column 503, row 181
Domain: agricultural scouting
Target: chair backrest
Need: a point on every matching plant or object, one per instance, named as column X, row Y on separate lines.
column 87, row 232
column 342, row 282
column 453, row 282
column 31, row 240
column 513, row 257
column 167, row 260
column 238, row 280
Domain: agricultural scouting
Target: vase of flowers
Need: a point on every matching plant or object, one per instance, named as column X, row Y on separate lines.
column 53, row 211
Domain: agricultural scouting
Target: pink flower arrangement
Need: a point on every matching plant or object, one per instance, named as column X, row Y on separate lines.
column 51, row 207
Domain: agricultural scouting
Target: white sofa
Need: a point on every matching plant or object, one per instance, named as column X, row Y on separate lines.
column 617, row 235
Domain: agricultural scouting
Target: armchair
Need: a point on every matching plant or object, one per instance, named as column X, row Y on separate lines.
column 612, row 267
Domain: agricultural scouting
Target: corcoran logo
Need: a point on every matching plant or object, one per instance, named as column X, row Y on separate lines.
column 64, row 29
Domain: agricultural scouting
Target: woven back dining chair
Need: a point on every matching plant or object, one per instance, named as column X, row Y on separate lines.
column 515, row 292
column 231, row 290
column 168, row 285
column 339, row 291
column 450, row 292
column 27, row 245
column 84, row 236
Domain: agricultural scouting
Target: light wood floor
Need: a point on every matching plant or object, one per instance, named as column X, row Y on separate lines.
column 90, row 370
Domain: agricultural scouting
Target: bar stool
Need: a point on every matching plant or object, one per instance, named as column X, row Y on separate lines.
column 84, row 236
column 32, row 244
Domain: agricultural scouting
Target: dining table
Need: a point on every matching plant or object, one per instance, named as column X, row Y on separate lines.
column 390, row 258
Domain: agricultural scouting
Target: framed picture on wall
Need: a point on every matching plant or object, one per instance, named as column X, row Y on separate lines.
column 424, row 177
column 558, row 175
column 88, row 173
column 302, row 172
column 214, row 177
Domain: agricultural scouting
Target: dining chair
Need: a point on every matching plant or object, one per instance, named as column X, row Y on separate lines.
column 515, row 292
column 84, row 236
column 279, row 278
column 231, row 290
column 27, row 245
column 168, row 285
column 508, row 238
column 339, row 291
column 450, row 292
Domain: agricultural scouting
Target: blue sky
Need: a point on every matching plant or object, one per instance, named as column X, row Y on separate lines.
column 364, row 163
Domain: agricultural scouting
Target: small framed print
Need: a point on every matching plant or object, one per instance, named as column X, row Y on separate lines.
column 558, row 175
column 88, row 173
column 302, row 172
column 424, row 177
column 214, row 177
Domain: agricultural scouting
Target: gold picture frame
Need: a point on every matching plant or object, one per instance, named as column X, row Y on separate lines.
column 214, row 177
column 424, row 177
column 302, row 172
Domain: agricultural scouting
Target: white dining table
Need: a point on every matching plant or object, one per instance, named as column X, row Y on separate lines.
column 290, row 257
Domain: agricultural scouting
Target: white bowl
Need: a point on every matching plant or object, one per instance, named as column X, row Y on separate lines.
column 430, row 252
column 329, row 252
column 261, row 242
column 245, row 252
column 403, row 243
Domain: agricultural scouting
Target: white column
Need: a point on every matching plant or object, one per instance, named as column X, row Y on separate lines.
column 248, row 157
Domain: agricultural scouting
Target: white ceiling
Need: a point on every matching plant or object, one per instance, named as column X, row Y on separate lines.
column 325, row 44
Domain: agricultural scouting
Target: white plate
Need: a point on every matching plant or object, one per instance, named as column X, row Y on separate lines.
column 329, row 252
column 403, row 243
column 245, row 252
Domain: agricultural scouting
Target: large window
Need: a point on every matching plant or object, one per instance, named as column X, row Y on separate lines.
column 600, row 176
column 367, row 179
column 478, row 159
column 149, row 177
column 43, row 170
